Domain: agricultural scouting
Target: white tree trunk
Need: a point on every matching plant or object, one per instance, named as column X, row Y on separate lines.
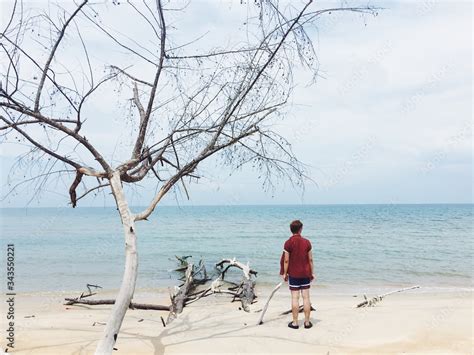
column 127, row 288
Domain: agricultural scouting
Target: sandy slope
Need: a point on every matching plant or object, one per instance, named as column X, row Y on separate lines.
column 412, row 322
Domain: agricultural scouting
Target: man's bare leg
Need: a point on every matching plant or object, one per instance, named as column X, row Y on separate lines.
column 306, row 305
column 295, row 305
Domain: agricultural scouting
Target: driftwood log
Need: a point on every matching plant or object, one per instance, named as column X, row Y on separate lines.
column 82, row 299
column 277, row 287
column 178, row 298
column 373, row 301
column 188, row 292
column 145, row 306
column 245, row 291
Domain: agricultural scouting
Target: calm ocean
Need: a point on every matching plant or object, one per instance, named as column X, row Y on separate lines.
column 354, row 246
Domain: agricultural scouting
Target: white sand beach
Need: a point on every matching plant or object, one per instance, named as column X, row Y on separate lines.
column 414, row 322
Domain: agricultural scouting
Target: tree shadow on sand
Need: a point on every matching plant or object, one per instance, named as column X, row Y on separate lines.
column 184, row 324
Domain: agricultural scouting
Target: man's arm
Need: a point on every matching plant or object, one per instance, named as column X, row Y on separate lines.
column 286, row 263
column 310, row 258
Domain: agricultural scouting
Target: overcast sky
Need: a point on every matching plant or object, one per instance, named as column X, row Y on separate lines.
column 388, row 121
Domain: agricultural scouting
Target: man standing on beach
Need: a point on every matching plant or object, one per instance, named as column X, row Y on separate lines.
column 297, row 269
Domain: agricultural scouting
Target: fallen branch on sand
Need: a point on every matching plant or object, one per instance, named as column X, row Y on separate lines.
column 82, row 300
column 178, row 298
column 245, row 290
column 371, row 302
column 192, row 277
column 277, row 287
column 301, row 309
column 145, row 306
column 184, row 295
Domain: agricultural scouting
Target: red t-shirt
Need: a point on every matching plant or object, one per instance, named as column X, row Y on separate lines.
column 298, row 248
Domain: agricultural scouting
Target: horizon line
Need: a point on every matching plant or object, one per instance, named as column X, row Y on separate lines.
column 263, row 205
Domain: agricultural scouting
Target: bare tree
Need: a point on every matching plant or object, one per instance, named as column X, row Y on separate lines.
column 184, row 103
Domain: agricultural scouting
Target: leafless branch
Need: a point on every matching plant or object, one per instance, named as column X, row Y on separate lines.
column 52, row 53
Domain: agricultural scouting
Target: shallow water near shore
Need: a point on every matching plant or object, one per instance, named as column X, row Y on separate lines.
column 355, row 247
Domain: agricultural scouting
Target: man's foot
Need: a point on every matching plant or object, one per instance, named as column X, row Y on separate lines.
column 291, row 325
column 308, row 324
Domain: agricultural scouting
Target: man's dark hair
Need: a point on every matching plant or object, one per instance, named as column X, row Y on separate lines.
column 296, row 226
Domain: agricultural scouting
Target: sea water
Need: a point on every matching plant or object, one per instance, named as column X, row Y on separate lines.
column 354, row 246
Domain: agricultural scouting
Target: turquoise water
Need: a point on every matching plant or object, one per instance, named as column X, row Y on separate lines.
column 354, row 245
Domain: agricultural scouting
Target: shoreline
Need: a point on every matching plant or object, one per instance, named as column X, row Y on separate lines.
column 411, row 322
column 325, row 289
